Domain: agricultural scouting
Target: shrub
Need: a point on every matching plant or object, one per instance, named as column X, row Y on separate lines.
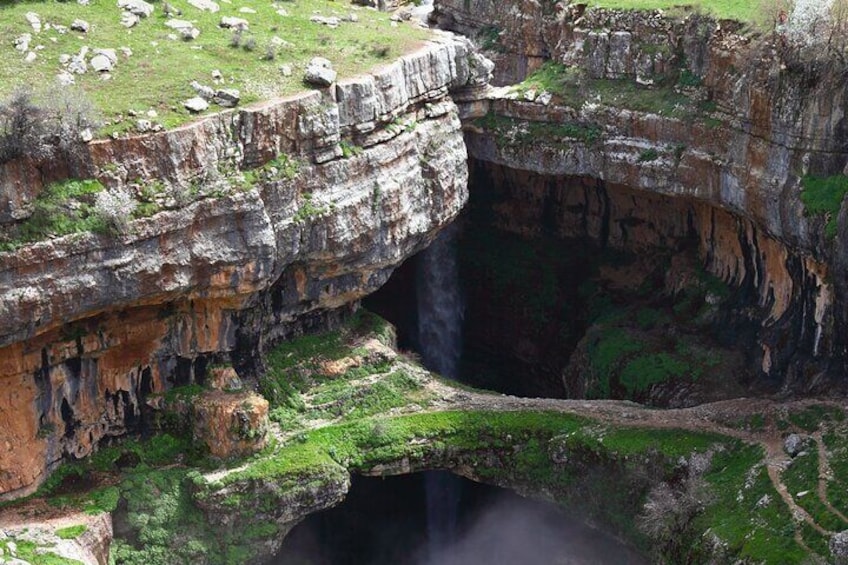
column 43, row 126
column 115, row 207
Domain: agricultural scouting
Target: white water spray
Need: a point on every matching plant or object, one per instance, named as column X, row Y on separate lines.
column 440, row 311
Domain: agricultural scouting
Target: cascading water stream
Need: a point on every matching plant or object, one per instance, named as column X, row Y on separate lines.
column 440, row 311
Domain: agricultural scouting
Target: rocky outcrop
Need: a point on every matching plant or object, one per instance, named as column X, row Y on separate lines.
column 94, row 324
column 746, row 123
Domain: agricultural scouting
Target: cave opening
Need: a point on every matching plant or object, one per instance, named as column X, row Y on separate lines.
column 575, row 289
column 384, row 520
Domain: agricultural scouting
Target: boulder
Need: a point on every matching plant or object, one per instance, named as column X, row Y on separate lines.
column 34, row 20
column 80, row 25
column 128, row 19
column 196, row 104
column 101, row 63
column 205, row 5
column 320, row 72
column 838, row 546
column 139, row 8
column 230, row 22
column 227, row 97
column 22, row 42
column 794, row 444
column 205, row 92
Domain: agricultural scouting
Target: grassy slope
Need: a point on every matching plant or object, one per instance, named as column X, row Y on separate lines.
column 158, row 74
column 742, row 10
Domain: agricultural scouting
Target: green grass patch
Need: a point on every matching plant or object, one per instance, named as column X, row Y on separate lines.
column 823, row 196
column 72, row 532
column 166, row 67
column 812, row 417
column 642, row 372
column 732, row 9
column 30, row 552
column 613, row 346
column 802, row 476
column 514, row 132
column 62, row 208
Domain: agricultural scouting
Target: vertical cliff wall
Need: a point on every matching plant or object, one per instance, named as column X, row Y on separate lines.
column 727, row 123
column 95, row 324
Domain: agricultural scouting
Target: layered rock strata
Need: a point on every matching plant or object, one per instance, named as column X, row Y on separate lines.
column 750, row 121
column 93, row 324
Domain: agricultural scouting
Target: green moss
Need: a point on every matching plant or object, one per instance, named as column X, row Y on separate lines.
column 30, row 552
column 802, row 476
column 649, row 155
column 824, row 196
column 71, row 532
column 514, row 132
column 812, row 417
column 613, row 346
column 62, row 208
column 644, row 371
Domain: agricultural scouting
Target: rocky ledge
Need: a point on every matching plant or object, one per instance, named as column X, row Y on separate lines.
column 296, row 206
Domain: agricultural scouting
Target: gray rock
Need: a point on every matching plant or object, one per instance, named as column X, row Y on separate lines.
column 190, row 33
column 331, row 21
column 65, row 78
column 77, row 65
column 126, row 52
column 216, row 75
column 34, row 20
column 101, row 63
column 838, row 546
column 30, row 57
column 139, row 8
column 286, row 70
column 22, row 42
column 246, row 10
column 320, row 72
column 64, row 59
column 143, row 126
column 110, row 54
column 205, row 92
column 179, row 24
column 205, row 5
column 227, row 97
column 80, row 25
column 794, row 444
column 129, row 19
column 196, row 104
column 230, row 22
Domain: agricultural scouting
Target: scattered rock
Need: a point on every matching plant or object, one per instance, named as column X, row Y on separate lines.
column 196, row 104
column 61, row 30
column 332, row 21
column 286, row 70
column 30, row 57
column 143, row 126
column 80, row 25
column 129, row 20
column 205, row 5
column 793, row 444
column 152, row 113
column 126, row 52
column 351, row 17
column 320, row 72
column 764, row 501
column 190, row 33
column 230, row 22
column 139, row 8
column 83, row 2
column 101, row 63
column 172, row 36
column 65, row 78
column 545, row 98
column 246, row 10
column 110, row 54
column 216, row 75
column 282, row 12
column 205, row 92
column 839, row 546
column 77, row 65
column 34, row 20
column 22, row 42
column 179, row 24
column 227, row 97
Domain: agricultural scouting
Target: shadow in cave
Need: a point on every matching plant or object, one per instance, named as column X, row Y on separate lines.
column 383, row 520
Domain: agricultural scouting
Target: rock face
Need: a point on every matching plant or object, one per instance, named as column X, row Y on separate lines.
column 736, row 166
column 95, row 324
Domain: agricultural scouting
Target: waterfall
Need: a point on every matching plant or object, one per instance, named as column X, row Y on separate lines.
column 440, row 311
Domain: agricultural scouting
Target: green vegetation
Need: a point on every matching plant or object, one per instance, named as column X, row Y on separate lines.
column 29, row 552
column 648, row 155
column 801, row 479
column 824, row 196
column 62, row 208
column 512, row 131
column 166, row 66
column 732, row 9
column 72, row 532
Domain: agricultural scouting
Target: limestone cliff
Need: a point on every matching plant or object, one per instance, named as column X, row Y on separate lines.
column 725, row 124
column 93, row 324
